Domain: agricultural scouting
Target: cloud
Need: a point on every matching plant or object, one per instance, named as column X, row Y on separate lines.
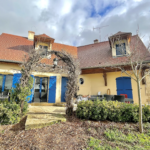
column 72, row 21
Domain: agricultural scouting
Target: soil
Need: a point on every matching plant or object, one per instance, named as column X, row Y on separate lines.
column 70, row 135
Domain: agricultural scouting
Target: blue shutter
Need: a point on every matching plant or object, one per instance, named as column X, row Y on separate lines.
column 52, row 89
column 3, row 85
column 16, row 79
column 30, row 98
column 63, row 88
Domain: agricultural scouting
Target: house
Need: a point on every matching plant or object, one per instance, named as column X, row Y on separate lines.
column 48, row 87
column 98, row 62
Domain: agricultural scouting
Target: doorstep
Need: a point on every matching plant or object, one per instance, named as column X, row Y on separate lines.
column 42, row 116
column 47, row 104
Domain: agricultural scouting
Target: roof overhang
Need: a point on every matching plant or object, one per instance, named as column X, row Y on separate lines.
column 43, row 39
column 11, row 61
column 114, row 68
column 102, row 70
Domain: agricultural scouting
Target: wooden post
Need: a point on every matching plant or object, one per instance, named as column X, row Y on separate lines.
column 142, row 74
column 105, row 78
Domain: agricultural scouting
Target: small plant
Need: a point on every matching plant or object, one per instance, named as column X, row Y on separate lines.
column 130, row 138
column 2, row 131
column 96, row 144
column 117, row 135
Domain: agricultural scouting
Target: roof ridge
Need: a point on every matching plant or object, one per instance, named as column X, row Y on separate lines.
column 93, row 44
column 101, row 42
column 65, row 44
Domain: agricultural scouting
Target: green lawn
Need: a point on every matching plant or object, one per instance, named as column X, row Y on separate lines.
column 117, row 139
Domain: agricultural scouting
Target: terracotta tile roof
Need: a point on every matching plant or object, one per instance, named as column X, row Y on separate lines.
column 13, row 48
column 100, row 54
column 70, row 49
column 58, row 47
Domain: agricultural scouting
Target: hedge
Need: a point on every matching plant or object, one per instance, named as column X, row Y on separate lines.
column 111, row 110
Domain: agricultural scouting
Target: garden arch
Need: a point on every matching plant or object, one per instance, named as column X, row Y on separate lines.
column 68, row 64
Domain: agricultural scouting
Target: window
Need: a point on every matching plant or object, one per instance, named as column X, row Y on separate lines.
column 1, row 82
column 5, row 83
column 81, row 80
column 45, row 49
column 8, row 82
column 41, row 89
column 37, row 84
column 120, row 49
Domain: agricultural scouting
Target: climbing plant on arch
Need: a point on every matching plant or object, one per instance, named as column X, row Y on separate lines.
column 67, row 64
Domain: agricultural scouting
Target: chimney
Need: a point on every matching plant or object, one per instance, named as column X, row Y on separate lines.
column 96, row 41
column 31, row 35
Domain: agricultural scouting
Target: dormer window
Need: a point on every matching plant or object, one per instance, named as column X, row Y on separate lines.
column 44, row 48
column 43, row 42
column 120, row 49
column 120, row 44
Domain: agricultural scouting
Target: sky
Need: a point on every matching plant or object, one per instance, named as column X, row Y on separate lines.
column 71, row 22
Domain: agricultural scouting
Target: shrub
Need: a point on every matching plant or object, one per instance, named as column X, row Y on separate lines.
column 146, row 113
column 111, row 110
column 20, row 94
column 9, row 112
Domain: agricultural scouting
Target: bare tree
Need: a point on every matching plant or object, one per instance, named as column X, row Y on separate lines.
column 135, row 65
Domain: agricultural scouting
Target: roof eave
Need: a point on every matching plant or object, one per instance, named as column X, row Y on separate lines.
column 11, row 61
column 148, row 61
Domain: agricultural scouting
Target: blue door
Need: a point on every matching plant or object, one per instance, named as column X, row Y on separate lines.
column 52, row 89
column 124, row 86
column 63, row 88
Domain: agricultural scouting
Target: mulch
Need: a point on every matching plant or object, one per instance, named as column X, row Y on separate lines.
column 70, row 135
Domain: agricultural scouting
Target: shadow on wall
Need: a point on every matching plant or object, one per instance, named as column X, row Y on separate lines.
column 24, row 48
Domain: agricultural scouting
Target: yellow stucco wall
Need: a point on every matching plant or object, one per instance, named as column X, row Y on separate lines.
column 93, row 83
column 9, row 68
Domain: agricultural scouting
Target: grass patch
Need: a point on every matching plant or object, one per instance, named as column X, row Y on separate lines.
column 115, row 139
column 96, row 144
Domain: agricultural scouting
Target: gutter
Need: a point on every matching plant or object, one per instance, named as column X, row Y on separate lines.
column 11, row 61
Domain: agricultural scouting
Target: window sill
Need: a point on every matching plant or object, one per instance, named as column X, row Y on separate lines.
column 119, row 56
